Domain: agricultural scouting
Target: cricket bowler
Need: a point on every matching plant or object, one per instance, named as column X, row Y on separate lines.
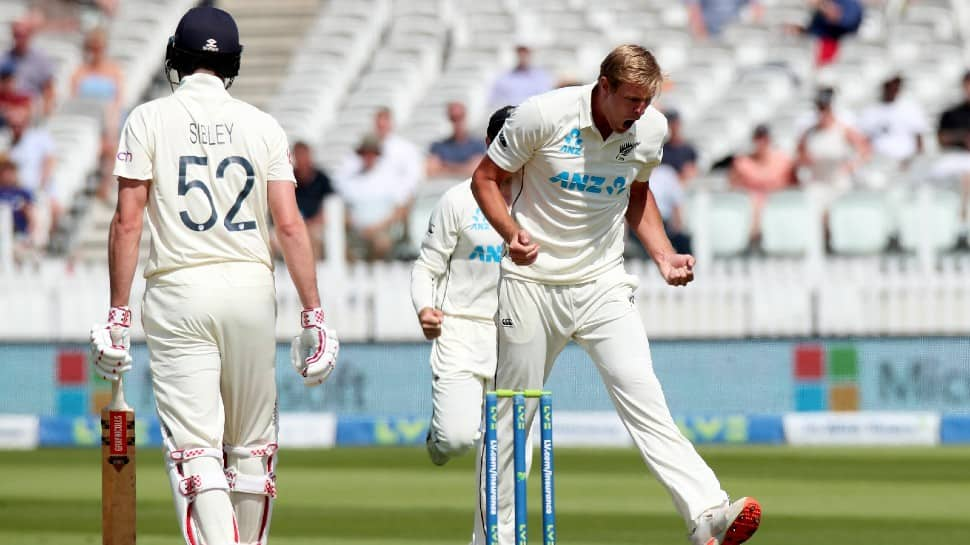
column 586, row 153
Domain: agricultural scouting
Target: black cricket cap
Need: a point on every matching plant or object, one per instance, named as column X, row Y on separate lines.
column 207, row 30
column 206, row 37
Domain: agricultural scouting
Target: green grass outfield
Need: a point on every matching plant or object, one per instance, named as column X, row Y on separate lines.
column 604, row 497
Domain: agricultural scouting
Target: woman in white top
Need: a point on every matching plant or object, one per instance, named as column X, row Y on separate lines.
column 829, row 153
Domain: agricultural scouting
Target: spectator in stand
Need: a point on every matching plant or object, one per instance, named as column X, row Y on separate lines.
column 954, row 128
column 678, row 152
column 459, row 154
column 895, row 126
column 521, row 82
column 98, row 78
column 20, row 200
column 829, row 153
column 60, row 16
column 33, row 70
column 668, row 190
column 831, row 21
column 707, row 18
column 71, row 16
column 377, row 203
column 765, row 170
column 954, row 138
column 107, row 8
column 402, row 157
column 312, row 187
column 10, row 97
column 32, row 150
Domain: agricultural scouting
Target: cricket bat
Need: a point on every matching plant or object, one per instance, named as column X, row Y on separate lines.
column 117, row 470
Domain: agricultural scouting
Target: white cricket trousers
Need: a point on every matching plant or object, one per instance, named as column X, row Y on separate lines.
column 462, row 366
column 211, row 334
column 535, row 322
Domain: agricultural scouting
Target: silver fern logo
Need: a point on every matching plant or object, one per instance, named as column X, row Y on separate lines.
column 625, row 150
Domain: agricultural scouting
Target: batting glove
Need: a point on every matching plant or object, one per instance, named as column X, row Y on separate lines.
column 314, row 351
column 111, row 344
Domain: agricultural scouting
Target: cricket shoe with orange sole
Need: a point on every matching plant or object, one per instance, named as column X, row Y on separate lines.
column 729, row 524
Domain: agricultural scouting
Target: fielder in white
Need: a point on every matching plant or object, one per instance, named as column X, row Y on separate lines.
column 586, row 154
column 453, row 286
column 210, row 168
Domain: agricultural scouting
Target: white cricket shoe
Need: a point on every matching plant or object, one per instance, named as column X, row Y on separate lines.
column 438, row 458
column 728, row 524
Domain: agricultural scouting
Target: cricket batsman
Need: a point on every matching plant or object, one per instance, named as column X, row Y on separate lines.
column 586, row 154
column 210, row 169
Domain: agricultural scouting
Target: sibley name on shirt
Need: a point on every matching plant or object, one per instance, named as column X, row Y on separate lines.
column 210, row 135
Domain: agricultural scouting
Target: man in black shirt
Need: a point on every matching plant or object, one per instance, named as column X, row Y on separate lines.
column 678, row 152
column 954, row 130
column 954, row 138
column 312, row 186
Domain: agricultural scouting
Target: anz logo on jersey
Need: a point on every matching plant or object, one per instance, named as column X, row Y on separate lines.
column 585, row 183
column 488, row 253
column 479, row 221
column 573, row 144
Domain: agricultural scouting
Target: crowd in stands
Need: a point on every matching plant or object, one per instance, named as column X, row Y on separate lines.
column 28, row 98
column 379, row 180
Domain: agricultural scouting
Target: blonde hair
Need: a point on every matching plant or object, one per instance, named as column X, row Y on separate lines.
column 632, row 64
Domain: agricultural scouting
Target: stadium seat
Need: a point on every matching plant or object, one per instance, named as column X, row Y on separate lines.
column 428, row 195
column 144, row 27
column 860, row 223
column 726, row 222
column 11, row 10
column 347, row 34
column 789, row 224
column 938, row 211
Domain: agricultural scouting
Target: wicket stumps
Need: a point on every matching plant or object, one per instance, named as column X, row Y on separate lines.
column 520, row 429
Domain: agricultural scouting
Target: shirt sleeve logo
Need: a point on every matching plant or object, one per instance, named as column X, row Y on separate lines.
column 479, row 221
column 573, row 143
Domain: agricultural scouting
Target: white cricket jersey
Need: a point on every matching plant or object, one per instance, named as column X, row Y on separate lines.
column 209, row 158
column 576, row 186
column 458, row 267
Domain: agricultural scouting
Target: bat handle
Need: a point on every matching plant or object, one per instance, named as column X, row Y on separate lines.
column 118, row 387
column 118, row 396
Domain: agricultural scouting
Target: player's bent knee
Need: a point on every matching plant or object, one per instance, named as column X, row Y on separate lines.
column 456, row 441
